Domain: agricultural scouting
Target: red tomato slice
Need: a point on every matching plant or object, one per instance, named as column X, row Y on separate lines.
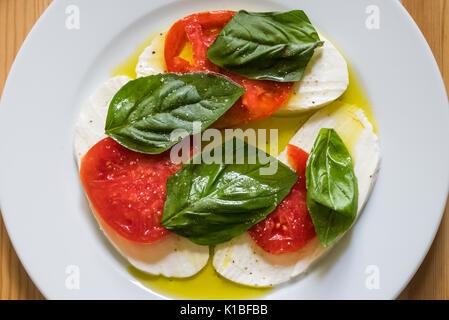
column 127, row 189
column 288, row 228
column 261, row 99
column 200, row 29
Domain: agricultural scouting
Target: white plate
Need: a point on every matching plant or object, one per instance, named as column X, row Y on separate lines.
column 42, row 202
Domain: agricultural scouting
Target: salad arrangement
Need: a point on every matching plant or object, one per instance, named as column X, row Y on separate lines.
column 267, row 218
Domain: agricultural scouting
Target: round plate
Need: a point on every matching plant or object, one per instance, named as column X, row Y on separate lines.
column 57, row 68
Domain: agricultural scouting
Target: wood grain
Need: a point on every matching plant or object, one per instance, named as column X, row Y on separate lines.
column 17, row 17
column 432, row 279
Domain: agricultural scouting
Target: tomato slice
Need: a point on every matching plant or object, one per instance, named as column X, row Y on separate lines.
column 261, row 99
column 127, row 189
column 288, row 228
column 200, row 30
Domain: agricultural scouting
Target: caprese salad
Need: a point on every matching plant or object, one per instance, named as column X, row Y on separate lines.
column 224, row 69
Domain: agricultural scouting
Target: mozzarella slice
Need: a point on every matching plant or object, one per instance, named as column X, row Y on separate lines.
column 152, row 60
column 242, row 260
column 325, row 79
column 172, row 256
column 92, row 119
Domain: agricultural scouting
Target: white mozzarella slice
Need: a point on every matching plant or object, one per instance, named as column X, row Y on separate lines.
column 325, row 79
column 172, row 256
column 91, row 122
column 152, row 60
column 242, row 260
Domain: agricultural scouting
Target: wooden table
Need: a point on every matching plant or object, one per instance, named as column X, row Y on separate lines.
column 430, row 282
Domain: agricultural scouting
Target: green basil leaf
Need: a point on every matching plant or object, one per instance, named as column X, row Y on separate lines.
column 144, row 112
column 213, row 203
column 332, row 189
column 266, row 45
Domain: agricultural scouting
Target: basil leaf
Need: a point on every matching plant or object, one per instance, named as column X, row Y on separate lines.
column 266, row 46
column 332, row 189
column 145, row 111
column 213, row 203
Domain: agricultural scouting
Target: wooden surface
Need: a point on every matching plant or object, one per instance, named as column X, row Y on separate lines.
column 17, row 17
column 430, row 282
column 432, row 279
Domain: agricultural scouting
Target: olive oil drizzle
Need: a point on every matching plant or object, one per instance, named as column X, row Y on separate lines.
column 208, row 284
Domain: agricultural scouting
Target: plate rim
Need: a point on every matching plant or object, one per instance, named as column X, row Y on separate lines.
column 50, row 10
